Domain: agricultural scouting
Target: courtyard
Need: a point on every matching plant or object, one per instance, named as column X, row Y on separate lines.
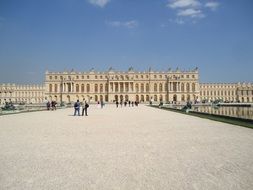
column 123, row 148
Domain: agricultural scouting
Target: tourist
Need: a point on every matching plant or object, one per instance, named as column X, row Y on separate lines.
column 48, row 105
column 85, row 109
column 121, row 103
column 129, row 103
column 125, row 103
column 117, row 103
column 53, row 105
column 77, row 108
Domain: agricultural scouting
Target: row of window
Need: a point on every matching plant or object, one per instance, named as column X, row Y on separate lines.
column 225, row 93
column 121, row 77
column 21, row 94
column 69, row 88
column 217, row 93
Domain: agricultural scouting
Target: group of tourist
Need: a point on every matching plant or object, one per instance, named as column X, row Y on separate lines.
column 101, row 104
column 51, row 105
column 136, row 103
column 84, row 106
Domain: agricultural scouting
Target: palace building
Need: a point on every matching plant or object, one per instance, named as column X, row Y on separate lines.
column 132, row 85
column 22, row 93
column 175, row 86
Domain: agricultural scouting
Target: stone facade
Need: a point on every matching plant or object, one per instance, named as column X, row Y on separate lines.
column 170, row 86
column 229, row 92
column 21, row 93
column 113, row 86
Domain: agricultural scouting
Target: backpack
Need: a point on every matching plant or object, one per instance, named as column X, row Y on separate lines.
column 86, row 105
column 75, row 105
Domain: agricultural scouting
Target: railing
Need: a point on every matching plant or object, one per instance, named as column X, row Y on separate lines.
column 24, row 108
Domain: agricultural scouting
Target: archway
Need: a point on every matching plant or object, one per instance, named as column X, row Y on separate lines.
column 68, row 98
column 183, row 98
column 137, row 98
column 121, row 97
column 147, row 98
column 142, row 98
column 155, row 98
column 174, row 97
column 101, row 98
column 161, row 98
column 116, row 98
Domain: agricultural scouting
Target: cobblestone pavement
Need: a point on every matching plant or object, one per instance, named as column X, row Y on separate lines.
column 125, row 148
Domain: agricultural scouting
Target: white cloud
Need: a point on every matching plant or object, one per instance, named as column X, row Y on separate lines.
column 131, row 24
column 174, row 4
column 126, row 24
column 99, row 3
column 212, row 5
column 179, row 21
column 191, row 13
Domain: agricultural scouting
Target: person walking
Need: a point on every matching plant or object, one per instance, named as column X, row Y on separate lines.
column 85, row 109
column 77, row 108
column 48, row 105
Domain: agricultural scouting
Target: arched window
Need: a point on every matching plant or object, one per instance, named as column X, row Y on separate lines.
column 142, row 88
column 147, row 87
column 142, row 98
column 155, row 97
column 182, row 87
column 82, row 88
column 116, row 87
column 101, row 88
column 187, row 87
column 183, row 98
column 96, row 88
column 193, row 87
column 160, row 87
column 77, row 87
column 88, row 87
column 155, row 87
column 55, row 87
column 147, row 98
column 137, row 87
column 50, row 87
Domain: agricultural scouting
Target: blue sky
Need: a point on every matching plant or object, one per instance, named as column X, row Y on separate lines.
column 56, row 35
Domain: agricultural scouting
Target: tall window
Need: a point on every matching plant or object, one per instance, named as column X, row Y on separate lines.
column 82, row 88
column 55, row 87
column 147, row 87
column 155, row 87
column 88, row 87
column 193, row 86
column 96, row 88
column 187, row 87
column 50, row 87
column 137, row 87
column 101, row 88
column 160, row 87
column 142, row 87
column 182, row 86
column 77, row 87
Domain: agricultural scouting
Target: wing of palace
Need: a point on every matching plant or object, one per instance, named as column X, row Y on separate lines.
column 174, row 86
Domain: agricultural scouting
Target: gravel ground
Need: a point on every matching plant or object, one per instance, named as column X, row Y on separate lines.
column 125, row 148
